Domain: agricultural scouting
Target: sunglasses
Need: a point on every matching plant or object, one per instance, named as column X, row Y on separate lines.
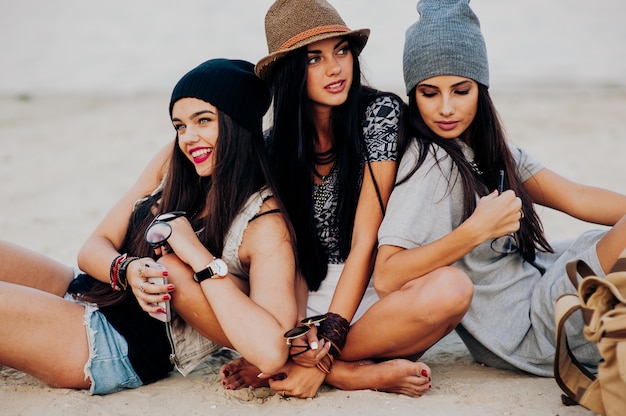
column 159, row 230
column 303, row 329
column 507, row 244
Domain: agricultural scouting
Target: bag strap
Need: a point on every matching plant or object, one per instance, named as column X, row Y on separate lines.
column 380, row 198
column 579, row 384
column 620, row 264
column 576, row 267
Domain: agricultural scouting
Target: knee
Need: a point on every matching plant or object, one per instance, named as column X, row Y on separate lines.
column 457, row 289
column 447, row 290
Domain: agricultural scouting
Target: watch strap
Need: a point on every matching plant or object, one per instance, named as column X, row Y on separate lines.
column 204, row 274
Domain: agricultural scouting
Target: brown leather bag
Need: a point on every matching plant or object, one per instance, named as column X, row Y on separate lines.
column 603, row 304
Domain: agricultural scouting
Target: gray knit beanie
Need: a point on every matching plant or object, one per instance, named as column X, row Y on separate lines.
column 230, row 85
column 446, row 40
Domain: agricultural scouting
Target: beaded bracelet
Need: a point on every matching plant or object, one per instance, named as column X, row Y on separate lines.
column 334, row 329
column 114, row 271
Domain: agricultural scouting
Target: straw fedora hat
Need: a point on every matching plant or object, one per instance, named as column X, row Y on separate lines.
column 291, row 24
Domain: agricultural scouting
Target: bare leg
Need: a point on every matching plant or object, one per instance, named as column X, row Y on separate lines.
column 409, row 321
column 612, row 245
column 28, row 268
column 406, row 324
column 43, row 335
column 393, row 376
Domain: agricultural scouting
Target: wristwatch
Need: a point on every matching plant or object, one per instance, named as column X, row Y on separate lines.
column 217, row 269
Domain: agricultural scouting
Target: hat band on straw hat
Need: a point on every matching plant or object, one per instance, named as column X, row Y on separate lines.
column 312, row 32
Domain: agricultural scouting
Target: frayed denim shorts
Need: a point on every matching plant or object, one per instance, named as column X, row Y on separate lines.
column 108, row 366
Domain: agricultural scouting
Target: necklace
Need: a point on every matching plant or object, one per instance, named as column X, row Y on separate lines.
column 322, row 193
column 325, row 158
column 319, row 175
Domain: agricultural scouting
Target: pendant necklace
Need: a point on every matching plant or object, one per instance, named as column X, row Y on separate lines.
column 322, row 193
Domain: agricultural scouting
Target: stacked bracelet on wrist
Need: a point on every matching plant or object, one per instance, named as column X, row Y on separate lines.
column 121, row 272
column 117, row 272
column 114, row 271
column 334, row 329
column 325, row 364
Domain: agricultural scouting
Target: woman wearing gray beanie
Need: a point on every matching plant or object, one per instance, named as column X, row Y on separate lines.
column 465, row 197
column 202, row 215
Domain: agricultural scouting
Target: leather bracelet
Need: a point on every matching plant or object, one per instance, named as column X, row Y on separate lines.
column 326, row 363
column 334, row 329
column 122, row 281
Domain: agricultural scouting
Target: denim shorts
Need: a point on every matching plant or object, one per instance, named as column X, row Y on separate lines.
column 108, row 366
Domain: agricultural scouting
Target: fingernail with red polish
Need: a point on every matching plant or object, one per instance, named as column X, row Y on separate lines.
column 425, row 373
column 165, row 273
column 166, row 297
column 170, row 287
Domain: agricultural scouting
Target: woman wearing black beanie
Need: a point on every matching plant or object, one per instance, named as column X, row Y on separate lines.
column 204, row 216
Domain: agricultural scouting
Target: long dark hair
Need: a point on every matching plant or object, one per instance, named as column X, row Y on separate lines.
column 291, row 141
column 491, row 154
column 241, row 169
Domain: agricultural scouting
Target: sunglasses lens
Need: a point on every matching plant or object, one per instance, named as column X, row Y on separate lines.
column 158, row 233
column 296, row 332
column 504, row 245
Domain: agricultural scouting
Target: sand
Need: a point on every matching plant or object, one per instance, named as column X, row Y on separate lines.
column 64, row 161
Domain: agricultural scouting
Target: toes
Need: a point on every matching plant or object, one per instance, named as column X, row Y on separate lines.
column 232, row 384
column 226, row 370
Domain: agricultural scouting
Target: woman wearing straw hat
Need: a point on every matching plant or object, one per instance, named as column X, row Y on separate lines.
column 333, row 145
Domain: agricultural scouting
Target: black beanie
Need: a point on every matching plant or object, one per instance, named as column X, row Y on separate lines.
column 231, row 86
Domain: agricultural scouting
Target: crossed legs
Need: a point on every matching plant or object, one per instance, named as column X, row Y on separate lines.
column 403, row 324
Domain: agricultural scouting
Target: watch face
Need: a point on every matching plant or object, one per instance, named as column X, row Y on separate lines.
column 219, row 267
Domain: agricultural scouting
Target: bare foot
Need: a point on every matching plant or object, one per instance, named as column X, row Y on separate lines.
column 239, row 373
column 393, row 376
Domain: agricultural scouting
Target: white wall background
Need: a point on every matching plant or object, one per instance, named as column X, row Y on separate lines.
column 141, row 46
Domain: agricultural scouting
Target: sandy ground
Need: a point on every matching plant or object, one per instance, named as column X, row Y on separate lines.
column 64, row 160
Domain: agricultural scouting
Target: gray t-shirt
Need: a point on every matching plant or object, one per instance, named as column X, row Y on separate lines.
column 512, row 313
